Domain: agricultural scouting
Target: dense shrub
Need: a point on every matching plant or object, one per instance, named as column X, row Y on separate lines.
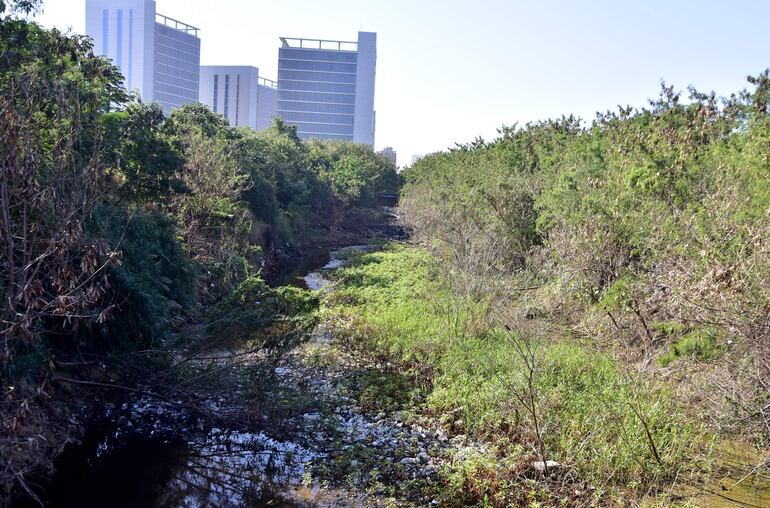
column 645, row 216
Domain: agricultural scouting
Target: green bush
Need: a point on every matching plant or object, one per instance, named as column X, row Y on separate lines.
column 154, row 279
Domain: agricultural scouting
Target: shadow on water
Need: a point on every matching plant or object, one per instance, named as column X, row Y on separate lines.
column 125, row 477
column 158, row 472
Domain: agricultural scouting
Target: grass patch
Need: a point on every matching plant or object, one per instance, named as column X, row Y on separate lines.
column 703, row 342
column 378, row 391
column 616, row 432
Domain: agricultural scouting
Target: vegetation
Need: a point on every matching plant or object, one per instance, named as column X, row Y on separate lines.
column 119, row 226
column 591, row 302
column 605, row 426
column 633, row 252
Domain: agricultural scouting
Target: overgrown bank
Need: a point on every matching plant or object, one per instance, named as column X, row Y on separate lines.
column 641, row 237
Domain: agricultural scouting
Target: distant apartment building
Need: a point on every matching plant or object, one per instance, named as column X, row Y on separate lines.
column 158, row 56
column 326, row 88
column 240, row 94
column 389, row 154
column 416, row 157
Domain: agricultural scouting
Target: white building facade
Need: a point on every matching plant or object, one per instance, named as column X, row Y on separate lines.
column 326, row 88
column 240, row 94
column 158, row 56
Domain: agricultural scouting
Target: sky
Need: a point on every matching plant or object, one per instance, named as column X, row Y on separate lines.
column 452, row 70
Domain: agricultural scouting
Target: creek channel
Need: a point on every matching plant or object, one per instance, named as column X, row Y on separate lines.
column 149, row 454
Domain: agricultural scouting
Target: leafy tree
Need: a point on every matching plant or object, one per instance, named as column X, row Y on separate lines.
column 142, row 158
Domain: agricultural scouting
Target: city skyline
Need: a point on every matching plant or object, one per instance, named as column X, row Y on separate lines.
column 452, row 71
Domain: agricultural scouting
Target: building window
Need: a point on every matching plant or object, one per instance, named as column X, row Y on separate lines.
column 216, row 91
column 105, row 31
column 119, row 41
column 227, row 93
column 237, row 97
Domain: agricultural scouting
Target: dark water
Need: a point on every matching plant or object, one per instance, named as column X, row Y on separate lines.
column 127, row 476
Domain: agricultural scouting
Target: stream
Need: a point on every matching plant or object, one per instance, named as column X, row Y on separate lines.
column 150, row 454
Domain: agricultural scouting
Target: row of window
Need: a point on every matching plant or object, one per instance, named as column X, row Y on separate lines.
column 172, row 49
column 316, row 107
column 237, row 97
column 227, row 94
column 177, row 56
column 319, row 55
column 316, row 97
column 312, row 86
column 329, row 77
column 173, row 60
column 183, row 91
column 168, row 33
column 168, row 101
column 216, row 91
column 317, row 66
column 181, row 76
column 325, row 118
column 165, row 88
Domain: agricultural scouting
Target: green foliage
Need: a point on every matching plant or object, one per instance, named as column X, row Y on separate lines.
column 139, row 152
column 120, row 225
column 275, row 319
column 628, row 232
column 20, row 6
column 702, row 342
column 618, row 295
column 354, row 172
column 154, row 279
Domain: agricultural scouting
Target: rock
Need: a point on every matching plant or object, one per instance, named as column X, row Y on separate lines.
column 408, row 460
column 540, row 465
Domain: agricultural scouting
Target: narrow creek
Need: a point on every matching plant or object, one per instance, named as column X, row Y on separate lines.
column 149, row 454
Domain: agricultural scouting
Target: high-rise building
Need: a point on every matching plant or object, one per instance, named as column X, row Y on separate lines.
column 389, row 154
column 240, row 94
column 158, row 56
column 326, row 88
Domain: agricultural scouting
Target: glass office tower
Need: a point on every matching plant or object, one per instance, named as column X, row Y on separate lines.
column 326, row 88
column 158, row 56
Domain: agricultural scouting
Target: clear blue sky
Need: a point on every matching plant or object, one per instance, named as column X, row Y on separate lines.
column 451, row 70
